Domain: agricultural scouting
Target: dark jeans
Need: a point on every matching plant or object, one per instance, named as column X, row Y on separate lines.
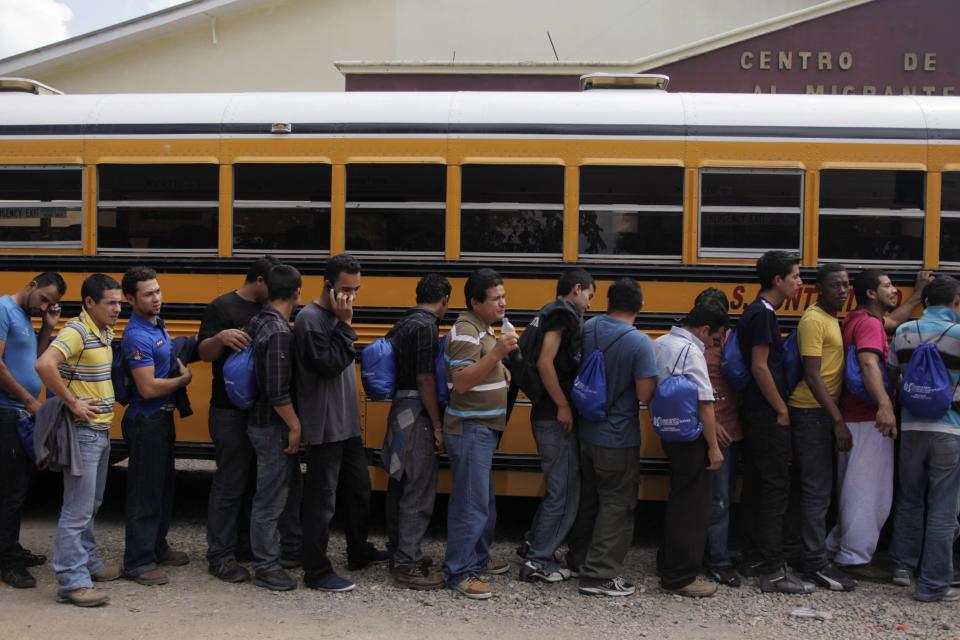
column 336, row 472
column 811, row 432
column 603, row 530
column 15, row 471
column 150, row 484
column 766, row 485
column 560, row 462
column 723, row 483
column 231, row 481
column 410, row 500
column 688, row 513
column 275, row 468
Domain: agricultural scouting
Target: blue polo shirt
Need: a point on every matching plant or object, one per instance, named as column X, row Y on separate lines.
column 147, row 345
column 19, row 350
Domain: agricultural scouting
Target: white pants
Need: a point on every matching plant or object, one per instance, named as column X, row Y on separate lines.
column 865, row 481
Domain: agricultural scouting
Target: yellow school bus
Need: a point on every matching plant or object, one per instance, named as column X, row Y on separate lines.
column 680, row 191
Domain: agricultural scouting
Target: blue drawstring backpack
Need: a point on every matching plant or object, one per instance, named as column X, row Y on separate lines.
column 675, row 407
column 926, row 390
column 589, row 393
column 853, row 376
column 240, row 378
column 120, row 376
column 732, row 364
column 378, row 369
column 792, row 362
column 440, row 375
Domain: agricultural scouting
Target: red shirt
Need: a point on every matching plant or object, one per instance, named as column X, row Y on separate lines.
column 725, row 404
column 866, row 331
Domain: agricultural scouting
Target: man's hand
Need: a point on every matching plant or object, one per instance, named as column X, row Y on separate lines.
column 565, row 417
column 84, row 409
column 50, row 316
column 185, row 375
column 235, row 339
column 886, row 421
column 32, row 406
column 342, row 306
column 293, row 441
column 715, row 457
column 843, row 436
column 723, row 438
column 923, row 278
column 438, row 439
column 783, row 418
column 506, row 344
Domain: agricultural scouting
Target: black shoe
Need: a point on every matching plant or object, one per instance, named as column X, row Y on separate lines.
column 229, row 571
column 522, row 550
column 783, row 581
column 374, row 557
column 18, row 578
column 749, row 568
column 726, row 576
column 274, row 579
column 31, row 559
column 611, row 588
column 291, row 561
column 830, row 577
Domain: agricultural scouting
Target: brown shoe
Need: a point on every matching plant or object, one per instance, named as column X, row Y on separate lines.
column 84, row 597
column 175, row 559
column 496, row 567
column 149, row 578
column 108, row 573
column 474, row 588
column 414, row 577
column 699, row 588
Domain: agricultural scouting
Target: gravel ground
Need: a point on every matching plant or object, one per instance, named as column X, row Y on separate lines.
column 196, row 605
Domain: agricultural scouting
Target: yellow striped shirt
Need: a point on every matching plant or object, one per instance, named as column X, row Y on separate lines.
column 89, row 361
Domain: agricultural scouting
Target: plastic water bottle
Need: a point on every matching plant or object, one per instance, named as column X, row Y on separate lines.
column 507, row 327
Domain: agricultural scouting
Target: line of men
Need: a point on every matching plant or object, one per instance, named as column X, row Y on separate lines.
column 261, row 508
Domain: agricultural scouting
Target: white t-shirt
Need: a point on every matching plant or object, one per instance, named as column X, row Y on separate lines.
column 681, row 353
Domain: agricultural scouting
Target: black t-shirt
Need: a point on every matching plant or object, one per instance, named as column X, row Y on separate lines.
column 759, row 326
column 414, row 339
column 568, row 322
column 229, row 311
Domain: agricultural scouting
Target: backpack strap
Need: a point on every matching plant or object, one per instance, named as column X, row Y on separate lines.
column 682, row 354
column 614, row 341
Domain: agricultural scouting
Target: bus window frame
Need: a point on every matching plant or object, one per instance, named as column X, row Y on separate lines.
column 731, row 252
column 52, row 204
column 949, row 214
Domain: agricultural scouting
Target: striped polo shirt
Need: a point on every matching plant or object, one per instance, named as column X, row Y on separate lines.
column 470, row 340
column 87, row 368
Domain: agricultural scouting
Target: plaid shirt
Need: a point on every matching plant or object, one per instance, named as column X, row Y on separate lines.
column 273, row 362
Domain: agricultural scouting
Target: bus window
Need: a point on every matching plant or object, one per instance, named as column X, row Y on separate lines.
column 744, row 212
column 512, row 209
column 950, row 218
column 396, row 208
column 40, row 206
column 868, row 215
column 281, row 208
column 631, row 211
column 168, row 208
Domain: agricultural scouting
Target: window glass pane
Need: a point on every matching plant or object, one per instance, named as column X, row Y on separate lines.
column 856, row 189
column 512, row 183
column 950, row 196
column 41, row 184
column 871, row 238
column 282, row 229
column 654, row 233
column 157, row 227
column 512, row 231
column 396, row 183
column 295, row 182
column 752, row 230
column 26, row 223
column 750, row 189
column 631, row 185
column 950, row 240
column 159, row 182
column 410, row 230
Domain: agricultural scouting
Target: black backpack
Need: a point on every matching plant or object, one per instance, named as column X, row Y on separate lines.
column 523, row 369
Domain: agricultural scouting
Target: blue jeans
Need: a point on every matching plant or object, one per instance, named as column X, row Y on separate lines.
column 560, row 461
column 274, row 472
column 472, row 511
column 75, row 549
column 929, row 466
column 718, row 534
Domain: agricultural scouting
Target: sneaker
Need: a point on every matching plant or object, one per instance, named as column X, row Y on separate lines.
column 783, row 581
column 31, row 559
column 950, row 595
column 901, row 577
column 18, row 578
column 274, row 579
column 291, row 561
column 84, row 597
column 416, row 577
column 727, row 576
column 613, row 587
column 749, row 569
column 373, row 558
column 175, row 558
column 107, row 573
column 229, row 571
column 496, row 567
column 699, row 588
column 829, row 576
column 530, row 571
column 149, row 578
column 474, row 588
column 331, row 583
column 522, row 550
column 868, row 572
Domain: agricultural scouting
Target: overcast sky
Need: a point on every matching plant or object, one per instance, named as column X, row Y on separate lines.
column 28, row 24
